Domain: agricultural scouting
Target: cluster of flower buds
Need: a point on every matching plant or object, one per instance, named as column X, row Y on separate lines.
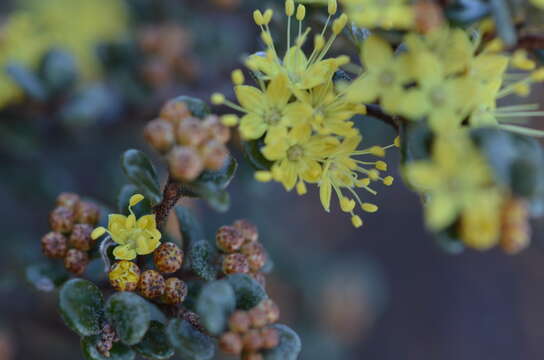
column 191, row 145
column 108, row 336
column 168, row 257
column 250, row 331
column 243, row 253
column 71, row 223
column 515, row 227
column 168, row 54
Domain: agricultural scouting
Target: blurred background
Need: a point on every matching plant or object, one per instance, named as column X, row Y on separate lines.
column 80, row 79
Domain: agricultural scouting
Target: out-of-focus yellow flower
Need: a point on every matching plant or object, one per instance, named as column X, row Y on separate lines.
column 134, row 236
column 386, row 14
column 538, row 3
column 452, row 179
column 480, row 223
column 297, row 154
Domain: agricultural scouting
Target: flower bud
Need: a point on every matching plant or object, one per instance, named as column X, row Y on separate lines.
column 54, row 245
column 271, row 309
column 258, row 318
column 76, row 261
column 87, row 213
column 68, row 200
column 175, row 291
column 151, row 284
column 124, row 276
column 216, row 129
column 271, row 337
column 231, row 343
column 159, row 133
column 228, row 239
column 252, row 340
column 175, row 111
column 235, row 263
column 185, row 164
column 62, row 219
column 248, row 230
column 80, row 238
column 239, row 321
column 168, row 258
column 191, row 132
column 256, row 256
column 214, row 154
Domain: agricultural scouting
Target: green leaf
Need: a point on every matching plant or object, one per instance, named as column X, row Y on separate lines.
column 81, row 306
column 142, row 174
column 200, row 253
column 289, row 346
column 197, row 107
column 190, row 344
column 249, row 293
column 129, row 315
column 27, row 80
column 89, row 104
column 47, row 275
column 58, row 70
column 214, row 305
column 252, row 152
column 210, row 185
column 142, row 208
column 119, row 351
column 155, row 345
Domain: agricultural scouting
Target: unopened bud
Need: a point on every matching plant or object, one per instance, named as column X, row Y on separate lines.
column 184, row 163
column 159, row 133
column 76, row 261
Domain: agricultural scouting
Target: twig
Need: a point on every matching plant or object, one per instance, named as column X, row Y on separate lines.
column 377, row 112
column 173, row 191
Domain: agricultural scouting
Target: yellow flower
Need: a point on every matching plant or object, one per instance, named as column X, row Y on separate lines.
column 386, row 14
column 538, row 3
column 134, row 236
column 383, row 78
column 452, row 178
column 303, row 72
column 124, row 275
column 297, row 154
column 341, row 172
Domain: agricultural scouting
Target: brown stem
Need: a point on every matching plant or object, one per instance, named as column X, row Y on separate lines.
column 173, row 191
column 377, row 112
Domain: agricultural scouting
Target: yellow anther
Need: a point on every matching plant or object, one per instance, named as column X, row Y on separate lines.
column 258, row 17
column 495, row 45
column 267, row 16
column 319, row 42
column 332, row 6
column 289, row 7
column 339, row 24
column 301, row 12
column 98, row 232
column 342, row 60
column 396, row 142
column 301, row 188
column 369, row 207
column 356, row 221
column 522, row 89
column 538, row 74
column 377, row 151
column 381, row 165
column 267, row 38
column 217, row 99
column 263, row 176
column 229, row 120
column 373, row 174
column 388, row 180
column 135, row 199
column 237, row 77
column 521, row 61
column 347, row 205
column 363, row 182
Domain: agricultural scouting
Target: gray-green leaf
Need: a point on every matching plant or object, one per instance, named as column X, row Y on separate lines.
column 119, row 351
column 249, row 293
column 141, row 173
column 81, row 306
column 214, row 305
column 289, row 346
column 155, row 345
column 129, row 314
column 190, row 344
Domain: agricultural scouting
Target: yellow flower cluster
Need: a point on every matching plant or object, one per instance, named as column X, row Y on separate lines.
column 133, row 236
column 304, row 119
column 442, row 77
column 385, row 14
column 75, row 26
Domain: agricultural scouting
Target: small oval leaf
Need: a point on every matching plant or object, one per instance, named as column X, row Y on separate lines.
column 46, row 276
column 118, row 351
column 214, row 305
column 129, row 315
column 155, row 345
column 142, row 174
column 249, row 293
column 289, row 346
column 81, row 305
column 190, row 344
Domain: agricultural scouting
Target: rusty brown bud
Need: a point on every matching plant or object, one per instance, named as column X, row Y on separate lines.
column 255, row 254
column 239, row 321
column 76, row 261
column 252, row 340
column 175, row 291
column 54, row 245
column 168, row 258
column 151, row 284
column 80, row 238
column 248, row 230
column 175, row 111
column 214, row 155
column 159, row 133
column 68, row 200
column 228, row 239
column 231, row 343
column 185, row 164
column 235, row 263
column 87, row 213
column 271, row 337
column 216, row 129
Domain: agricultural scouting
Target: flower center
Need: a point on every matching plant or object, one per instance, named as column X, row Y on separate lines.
column 386, row 78
column 273, row 116
column 438, row 96
column 295, row 152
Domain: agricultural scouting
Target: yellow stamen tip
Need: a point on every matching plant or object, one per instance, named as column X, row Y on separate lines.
column 339, row 24
column 267, row 16
column 538, row 75
column 263, row 176
column 363, row 182
column 301, row 188
column 377, row 151
column 396, row 142
column 368, row 207
column 134, row 199
column 217, row 99
column 388, row 180
column 356, row 221
column 522, row 89
column 381, row 165
column 319, row 42
column 347, row 205
column 237, row 77
column 229, row 120
column 301, row 12
column 258, row 17
column 373, row 174
column 332, row 6
column 98, row 232
column 289, row 7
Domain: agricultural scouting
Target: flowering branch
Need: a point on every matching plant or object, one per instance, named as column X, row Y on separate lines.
column 173, row 191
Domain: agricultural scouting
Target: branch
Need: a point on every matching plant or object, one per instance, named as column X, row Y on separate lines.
column 173, row 191
column 377, row 112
